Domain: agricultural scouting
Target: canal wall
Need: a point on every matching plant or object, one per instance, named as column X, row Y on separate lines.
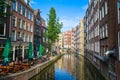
column 97, row 75
column 34, row 70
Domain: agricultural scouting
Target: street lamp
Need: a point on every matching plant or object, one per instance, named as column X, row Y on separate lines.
column 19, row 51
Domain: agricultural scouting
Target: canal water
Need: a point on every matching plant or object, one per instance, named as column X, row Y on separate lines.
column 68, row 67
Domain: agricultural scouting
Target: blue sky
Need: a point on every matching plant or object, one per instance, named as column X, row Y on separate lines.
column 68, row 11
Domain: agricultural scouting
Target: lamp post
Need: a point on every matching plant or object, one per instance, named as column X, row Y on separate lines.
column 19, row 51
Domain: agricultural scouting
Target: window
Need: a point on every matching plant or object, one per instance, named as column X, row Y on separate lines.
column 100, row 33
column 13, row 21
column 13, row 36
column 31, row 28
column 18, row 35
column 103, row 32
column 119, row 44
column 24, row 25
column 31, row 16
column 106, row 30
column 3, row 8
column 19, row 23
column 26, row 38
column 2, row 29
column 24, row 11
column 102, row 12
column 14, row 5
column 28, row 15
column 98, row 30
column 23, row 37
column 106, row 8
column 19, row 8
column 37, row 21
column 28, row 27
column 118, row 11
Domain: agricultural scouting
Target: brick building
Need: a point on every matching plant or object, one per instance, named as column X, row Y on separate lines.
column 102, row 36
column 5, row 27
column 21, row 28
column 116, row 9
column 67, row 39
column 37, row 30
column 73, row 38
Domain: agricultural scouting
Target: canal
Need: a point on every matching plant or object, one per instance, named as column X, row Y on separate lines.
column 69, row 67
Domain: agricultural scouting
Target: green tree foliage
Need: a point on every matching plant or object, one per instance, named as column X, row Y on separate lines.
column 54, row 26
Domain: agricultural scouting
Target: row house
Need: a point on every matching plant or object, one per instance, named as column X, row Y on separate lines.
column 61, row 40
column 102, row 36
column 43, row 37
column 73, row 38
column 116, row 16
column 77, row 40
column 21, row 28
column 67, row 39
column 81, row 36
column 60, row 43
column 37, row 30
column 91, row 24
column 5, row 26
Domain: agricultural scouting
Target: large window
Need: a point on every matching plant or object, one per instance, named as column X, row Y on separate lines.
column 19, row 23
column 28, row 15
column 2, row 29
column 100, row 15
column 118, row 11
column 119, row 44
column 24, row 11
column 23, row 37
column 31, row 28
column 106, row 8
column 18, row 35
column 24, row 25
column 31, row 16
column 37, row 21
column 13, row 36
column 13, row 21
column 102, row 11
column 14, row 5
column 19, row 8
column 106, row 30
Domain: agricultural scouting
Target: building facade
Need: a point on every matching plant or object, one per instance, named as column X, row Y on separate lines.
column 37, row 30
column 100, row 24
column 81, row 33
column 67, row 39
column 21, row 28
column 73, row 38
column 5, row 26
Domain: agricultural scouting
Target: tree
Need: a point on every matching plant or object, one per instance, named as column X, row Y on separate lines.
column 54, row 26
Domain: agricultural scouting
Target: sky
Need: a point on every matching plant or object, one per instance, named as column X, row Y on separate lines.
column 68, row 11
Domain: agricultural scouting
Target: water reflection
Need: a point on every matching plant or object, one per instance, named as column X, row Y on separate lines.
column 64, row 68
column 46, row 74
column 69, row 67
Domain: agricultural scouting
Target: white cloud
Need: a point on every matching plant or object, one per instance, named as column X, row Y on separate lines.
column 33, row 2
column 68, row 24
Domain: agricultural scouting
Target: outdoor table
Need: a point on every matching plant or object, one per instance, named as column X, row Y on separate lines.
column 6, row 69
column 25, row 66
